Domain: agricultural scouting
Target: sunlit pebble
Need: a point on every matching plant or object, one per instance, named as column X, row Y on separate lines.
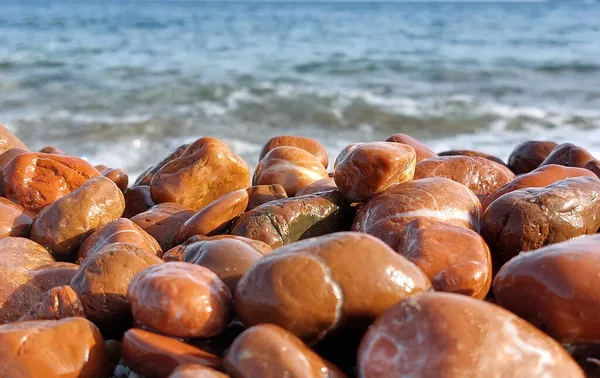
column 137, row 143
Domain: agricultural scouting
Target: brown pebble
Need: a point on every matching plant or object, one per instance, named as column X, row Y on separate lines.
column 59, row 302
column 8, row 155
column 118, row 231
column 529, row 155
column 180, row 299
column 387, row 215
column 67, row 348
column 145, row 177
column 455, row 334
column 259, row 194
column 455, row 259
column 593, row 166
column 9, row 140
column 156, row 356
column 117, row 176
column 228, row 258
column 291, row 167
column 177, row 253
column 367, row 169
column 102, row 282
column 5, row 158
column 310, row 287
column 481, row 175
column 472, row 153
column 137, row 200
column 540, row 177
column 306, row 144
column 35, row 180
column 62, row 226
column 14, row 221
column 206, row 170
column 555, row 288
column 267, row 350
column 216, row 217
column 324, row 185
column 27, row 271
column 52, row 150
column 531, row 218
column 163, row 222
column 422, row 151
column 569, row 155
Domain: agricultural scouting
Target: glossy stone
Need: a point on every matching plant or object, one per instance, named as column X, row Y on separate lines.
column 216, row 217
column 102, row 282
column 540, row 177
column 422, row 151
column 117, row 176
column 52, row 150
column 118, row 231
column 27, row 271
column 63, row 225
column 291, row 167
column 326, row 286
column 260, row 194
column 370, row 168
column 180, row 299
column 145, row 177
column 461, row 337
column 472, row 153
column 324, row 185
column 267, row 350
column 455, row 259
column 529, row 155
column 387, row 214
column 206, row 170
column 229, row 258
column 59, row 302
column 479, row 174
column 593, row 166
column 137, row 200
column 9, row 140
column 288, row 220
column 35, row 180
column 531, row 218
column 14, row 220
column 569, row 155
column 556, row 289
column 156, row 356
column 307, row 144
column 67, row 348
column 163, row 222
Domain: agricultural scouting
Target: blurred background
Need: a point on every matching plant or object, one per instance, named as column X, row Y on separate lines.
column 124, row 83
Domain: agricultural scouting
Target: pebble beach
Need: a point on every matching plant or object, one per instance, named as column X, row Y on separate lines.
column 299, row 190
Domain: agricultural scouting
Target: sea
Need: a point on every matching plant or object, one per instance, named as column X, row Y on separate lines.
column 123, row 83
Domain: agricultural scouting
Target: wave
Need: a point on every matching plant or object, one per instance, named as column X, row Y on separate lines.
column 134, row 134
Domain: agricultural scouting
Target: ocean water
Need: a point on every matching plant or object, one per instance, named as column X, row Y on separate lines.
column 124, row 83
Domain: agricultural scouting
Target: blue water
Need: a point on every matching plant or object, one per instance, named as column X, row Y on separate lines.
column 122, row 83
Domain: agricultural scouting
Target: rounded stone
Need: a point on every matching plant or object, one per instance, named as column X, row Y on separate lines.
column 180, row 299
column 460, row 336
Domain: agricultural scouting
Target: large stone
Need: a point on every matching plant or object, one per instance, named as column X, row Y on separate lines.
column 206, row 170
column 35, row 180
column 459, row 336
column 67, row 348
column 62, row 226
